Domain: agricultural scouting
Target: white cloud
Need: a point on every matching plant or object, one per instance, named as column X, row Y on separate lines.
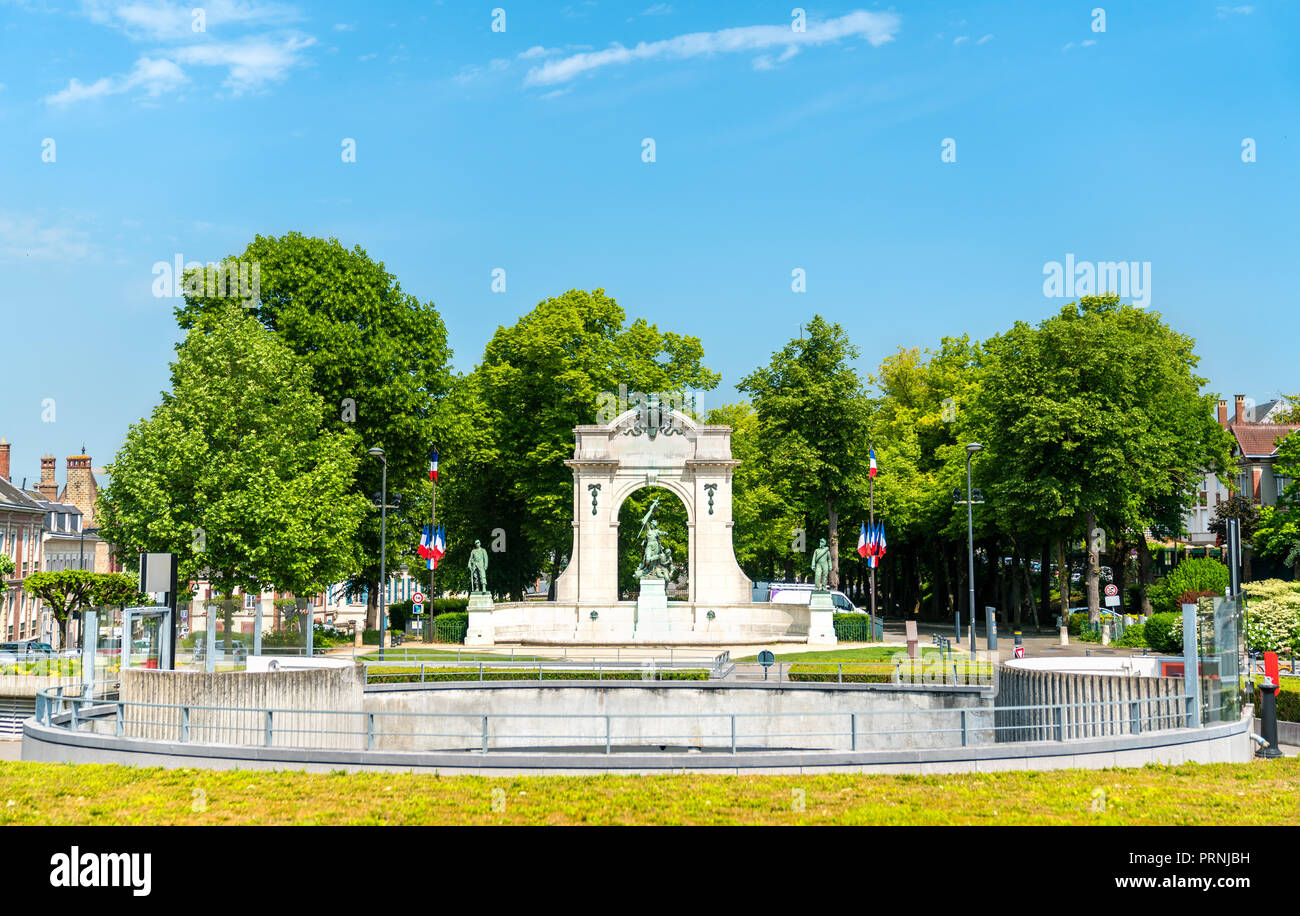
column 249, row 62
column 159, row 20
column 1224, row 12
column 960, row 39
column 876, row 28
column 344, row 27
column 1089, row 43
column 153, row 77
column 28, row 238
column 659, row 9
column 985, row 39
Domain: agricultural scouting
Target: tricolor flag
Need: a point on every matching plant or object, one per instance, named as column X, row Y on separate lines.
column 871, row 471
column 438, row 548
column 862, row 541
column 433, row 465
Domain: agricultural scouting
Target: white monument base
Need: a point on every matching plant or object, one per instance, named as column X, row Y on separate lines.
column 821, row 619
column 481, row 631
column 652, row 623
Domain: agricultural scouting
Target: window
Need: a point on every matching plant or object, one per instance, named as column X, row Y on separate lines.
column 1282, row 483
column 251, row 600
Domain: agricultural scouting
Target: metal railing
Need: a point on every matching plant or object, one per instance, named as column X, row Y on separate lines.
column 429, row 670
column 593, row 732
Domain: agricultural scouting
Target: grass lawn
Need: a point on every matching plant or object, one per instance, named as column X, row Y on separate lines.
column 870, row 654
column 1208, row 794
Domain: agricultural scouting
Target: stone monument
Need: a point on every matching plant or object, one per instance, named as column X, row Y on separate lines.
column 481, row 631
column 821, row 610
column 654, row 572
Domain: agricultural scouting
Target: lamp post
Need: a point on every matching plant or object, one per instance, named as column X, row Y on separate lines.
column 383, row 547
column 970, row 540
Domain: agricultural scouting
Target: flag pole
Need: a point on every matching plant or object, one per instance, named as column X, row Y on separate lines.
column 433, row 534
column 872, row 487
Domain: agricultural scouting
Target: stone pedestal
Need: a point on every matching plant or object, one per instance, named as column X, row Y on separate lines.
column 481, row 631
column 652, row 611
column 821, row 619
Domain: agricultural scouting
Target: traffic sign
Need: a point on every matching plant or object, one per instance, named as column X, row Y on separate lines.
column 418, row 598
column 1112, row 590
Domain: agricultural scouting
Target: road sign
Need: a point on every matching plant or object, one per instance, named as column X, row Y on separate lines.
column 766, row 659
column 417, row 598
column 1112, row 590
column 1112, row 601
column 1020, row 651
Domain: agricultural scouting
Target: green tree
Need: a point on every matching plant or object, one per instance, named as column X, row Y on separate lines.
column 1278, row 534
column 233, row 472
column 1093, row 420
column 379, row 359
column 551, row 371
column 6, row 570
column 814, row 421
column 70, row 590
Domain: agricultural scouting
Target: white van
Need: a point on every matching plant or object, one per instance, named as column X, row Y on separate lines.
column 801, row 593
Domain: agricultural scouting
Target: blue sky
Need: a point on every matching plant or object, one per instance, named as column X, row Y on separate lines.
column 775, row 149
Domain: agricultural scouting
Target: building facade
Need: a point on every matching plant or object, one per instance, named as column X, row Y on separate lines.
column 1254, row 451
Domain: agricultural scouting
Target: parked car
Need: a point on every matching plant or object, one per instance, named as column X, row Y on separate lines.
column 236, row 650
column 801, row 593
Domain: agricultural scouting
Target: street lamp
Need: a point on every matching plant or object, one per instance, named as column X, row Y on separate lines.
column 970, row 540
column 383, row 547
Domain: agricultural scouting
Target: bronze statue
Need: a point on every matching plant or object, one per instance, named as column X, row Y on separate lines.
column 821, row 565
column 478, row 564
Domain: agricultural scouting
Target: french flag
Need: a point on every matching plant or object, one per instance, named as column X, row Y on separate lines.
column 433, row 465
column 438, row 548
column 863, row 549
column 871, row 471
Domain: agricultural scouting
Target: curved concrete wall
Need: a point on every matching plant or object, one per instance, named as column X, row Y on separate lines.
column 682, row 714
column 1074, row 698
column 236, row 692
column 1221, row 743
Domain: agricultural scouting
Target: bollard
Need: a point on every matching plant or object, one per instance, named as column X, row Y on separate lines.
column 1020, row 645
column 991, row 628
column 1268, row 720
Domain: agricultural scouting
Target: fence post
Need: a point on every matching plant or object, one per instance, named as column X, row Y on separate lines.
column 607, row 734
column 1058, row 718
column 270, row 727
column 480, row 671
column 185, row 723
column 485, row 718
column 121, row 715
column 853, row 731
column 839, row 672
column 421, row 672
column 1135, row 715
column 733, row 734
column 370, row 731
column 963, row 728
column 75, row 727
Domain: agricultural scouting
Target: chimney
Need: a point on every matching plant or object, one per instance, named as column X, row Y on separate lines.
column 80, row 488
column 1223, row 412
column 4, row 458
column 48, row 487
column 1241, row 409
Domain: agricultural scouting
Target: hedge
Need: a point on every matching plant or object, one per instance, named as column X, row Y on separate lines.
column 1288, row 705
column 852, row 627
column 1164, row 632
column 1196, row 574
column 850, row 673
column 412, row 675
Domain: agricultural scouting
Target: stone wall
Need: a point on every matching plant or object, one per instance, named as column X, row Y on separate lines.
column 681, row 715
column 244, row 696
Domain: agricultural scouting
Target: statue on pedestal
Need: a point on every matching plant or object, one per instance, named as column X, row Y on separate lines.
column 656, row 562
column 478, row 564
column 821, row 566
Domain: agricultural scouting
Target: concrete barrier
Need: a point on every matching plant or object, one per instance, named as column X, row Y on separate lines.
column 242, row 696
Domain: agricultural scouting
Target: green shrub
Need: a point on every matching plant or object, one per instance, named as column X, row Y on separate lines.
column 1164, row 632
column 1197, row 574
column 1288, row 704
column 1134, row 636
column 1078, row 623
column 852, row 627
column 451, row 627
column 1273, row 616
column 848, row 673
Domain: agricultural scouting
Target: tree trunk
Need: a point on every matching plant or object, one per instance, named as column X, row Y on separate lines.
column 1092, row 575
column 833, row 541
column 1144, row 575
column 1029, row 593
column 1063, row 580
column 1045, row 582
